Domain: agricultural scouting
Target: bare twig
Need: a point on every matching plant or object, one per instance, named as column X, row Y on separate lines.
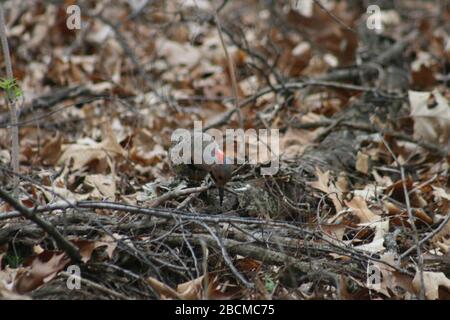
column 411, row 221
column 96, row 286
column 11, row 102
column 65, row 245
column 128, row 50
column 333, row 16
column 227, row 258
column 248, row 250
column 175, row 194
column 415, row 234
column 215, row 219
column 428, row 236
column 231, row 70
column 370, row 128
column 186, row 201
column 282, row 87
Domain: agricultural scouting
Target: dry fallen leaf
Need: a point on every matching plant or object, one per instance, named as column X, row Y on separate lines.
column 294, row 142
column 89, row 152
column 324, row 184
column 87, row 247
column 51, row 151
column 7, row 294
column 178, row 54
column 145, row 150
column 104, row 186
column 431, row 123
column 440, row 193
column 442, row 239
column 362, row 162
column 190, row 290
column 432, row 282
column 360, row 209
column 386, row 273
column 377, row 244
column 162, row 289
column 38, row 270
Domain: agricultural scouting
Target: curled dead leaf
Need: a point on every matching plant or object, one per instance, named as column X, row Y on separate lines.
column 324, row 184
column 51, row 151
column 38, row 270
column 190, row 290
column 87, row 247
column 432, row 282
column 91, row 153
column 360, row 209
column 431, row 119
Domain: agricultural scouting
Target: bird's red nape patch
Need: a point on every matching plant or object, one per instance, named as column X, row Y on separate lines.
column 220, row 156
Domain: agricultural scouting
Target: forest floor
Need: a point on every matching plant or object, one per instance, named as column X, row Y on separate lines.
column 357, row 92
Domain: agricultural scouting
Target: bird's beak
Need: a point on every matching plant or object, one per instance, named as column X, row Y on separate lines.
column 221, row 193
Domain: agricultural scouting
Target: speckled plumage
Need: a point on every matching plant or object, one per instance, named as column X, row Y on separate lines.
column 220, row 170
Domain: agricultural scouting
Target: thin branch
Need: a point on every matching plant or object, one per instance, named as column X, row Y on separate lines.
column 5, row 46
column 247, row 250
column 283, row 87
column 175, row 194
column 370, row 128
column 227, row 258
column 94, row 285
column 62, row 242
column 415, row 234
column 428, row 236
column 411, row 221
column 333, row 16
column 232, row 71
column 211, row 218
column 11, row 102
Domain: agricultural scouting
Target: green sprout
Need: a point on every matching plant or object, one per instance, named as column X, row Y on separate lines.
column 13, row 261
column 269, row 284
column 11, row 86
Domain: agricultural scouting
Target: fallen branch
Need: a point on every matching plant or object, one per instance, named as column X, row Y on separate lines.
column 94, row 285
column 300, row 84
column 370, row 128
column 226, row 257
column 246, row 250
column 427, row 237
column 175, row 194
column 47, row 101
column 215, row 219
column 62, row 242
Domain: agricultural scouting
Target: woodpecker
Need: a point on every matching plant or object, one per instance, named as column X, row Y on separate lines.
column 205, row 158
